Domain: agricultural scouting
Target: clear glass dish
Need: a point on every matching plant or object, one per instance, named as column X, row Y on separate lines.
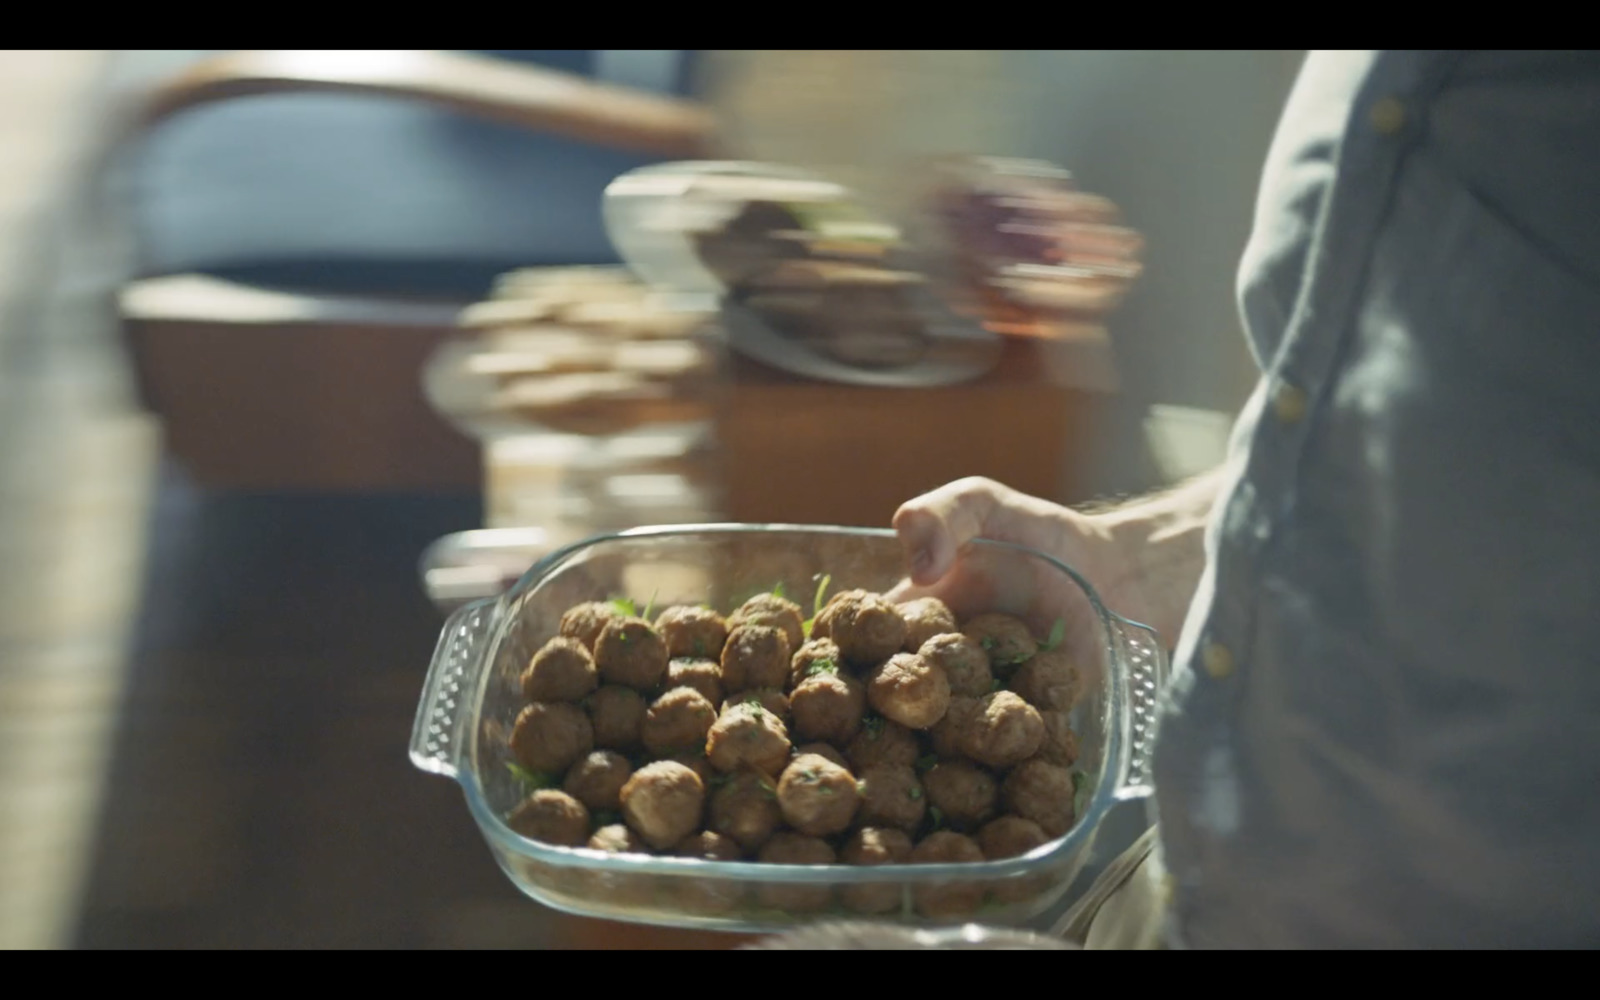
column 472, row 696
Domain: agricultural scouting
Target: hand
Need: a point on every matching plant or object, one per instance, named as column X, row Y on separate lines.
column 936, row 528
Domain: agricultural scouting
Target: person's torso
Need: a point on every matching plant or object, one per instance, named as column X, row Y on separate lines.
column 1379, row 732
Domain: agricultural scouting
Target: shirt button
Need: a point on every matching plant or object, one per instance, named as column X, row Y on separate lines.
column 1289, row 402
column 1388, row 116
column 1217, row 660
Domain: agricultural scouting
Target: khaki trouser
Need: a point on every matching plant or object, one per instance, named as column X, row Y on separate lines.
column 1125, row 909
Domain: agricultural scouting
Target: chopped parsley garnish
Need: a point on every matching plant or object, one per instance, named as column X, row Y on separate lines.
column 825, row 665
column 650, row 606
column 915, row 791
column 926, row 764
column 531, row 780
column 873, row 724
column 625, row 606
column 1058, row 632
column 937, row 815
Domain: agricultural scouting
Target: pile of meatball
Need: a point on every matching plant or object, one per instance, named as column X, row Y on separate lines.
column 876, row 734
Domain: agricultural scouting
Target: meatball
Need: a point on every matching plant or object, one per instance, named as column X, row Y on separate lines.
column 703, row 894
column 891, row 796
column 1049, row 681
column 874, row 846
column 1005, row 730
column 756, row 656
column 965, row 663
column 748, row 734
column 704, row 676
column 794, row 849
column 948, row 899
column 597, row 780
column 551, row 817
column 770, row 699
column 963, row 794
column 562, row 671
column 818, row 797
column 866, row 627
column 1060, row 745
column 663, row 803
column 1010, row 837
column 678, row 721
column 585, row 621
column 823, row 750
column 925, row 618
column 818, row 656
column 617, row 714
column 828, row 707
column 1006, row 639
column 948, row 736
column 629, row 652
column 550, row 737
column 774, row 612
column 881, row 741
column 696, row 633
column 910, row 691
column 1042, row 792
column 745, row 808
column 617, row 839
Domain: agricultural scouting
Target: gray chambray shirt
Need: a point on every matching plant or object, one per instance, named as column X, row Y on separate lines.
column 1383, row 728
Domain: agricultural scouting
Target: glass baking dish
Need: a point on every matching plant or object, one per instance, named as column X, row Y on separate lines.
column 472, row 696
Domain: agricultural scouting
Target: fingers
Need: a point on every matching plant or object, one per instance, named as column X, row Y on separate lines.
column 934, row 526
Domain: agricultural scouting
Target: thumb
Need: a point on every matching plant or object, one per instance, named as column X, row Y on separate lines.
column 934, row 526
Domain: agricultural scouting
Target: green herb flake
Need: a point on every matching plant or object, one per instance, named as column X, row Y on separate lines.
column 777, row 591
column 826, row 665
column 1058, row 632
column 988, row 643
column 816, row 602
column 806, row 627
column 937, row 815
column 873, row 724
column 650, row 606
column 531, row 780
column 996, row 685
column 926, row 764
column 915, row 791
column 1080, row 790
column 768, row 791
column 625, row 606
column 861, row 787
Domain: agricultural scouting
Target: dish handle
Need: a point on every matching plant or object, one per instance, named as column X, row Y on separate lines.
column 1146, row 677
column 438, row 734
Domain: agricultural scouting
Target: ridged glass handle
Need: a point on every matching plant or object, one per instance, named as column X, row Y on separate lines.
column 438, row 735
column 1147, row 675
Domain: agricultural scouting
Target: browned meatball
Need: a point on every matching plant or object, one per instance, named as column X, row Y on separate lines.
column 774, row 612
column 631, row 653
column 1049, row 681
column 748, row 734
column 704, row 676
column 1042, row 792
column 828, row 707
column 756, row 656
column 964, row 795
column 617, row 714
column 695, row 633
column 795, row 849
column 948, row 899
column 948, row 736
column 585, row 621
column 745, row 808
column 925, row 618
column 1006, row 639
column 874, row 846
column 819, row 656
column 770, row 699
column 882, row 742
column 891, row 796
column 696, row 761
column 550, row 737
column 678, row 721
column 562, row 671
column 708, row 894
column 1060, row 744
column 910, row 691
column 1005, row 730
column 1010, row 837
column 618, row 839
column 823, row 750
column 551, row 817
column 663, row 803
column 597, row 780
column 818, row 797
column 866, row 627
column 965, row 663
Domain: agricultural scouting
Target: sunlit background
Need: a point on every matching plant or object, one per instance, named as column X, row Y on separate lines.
column 233, row 458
